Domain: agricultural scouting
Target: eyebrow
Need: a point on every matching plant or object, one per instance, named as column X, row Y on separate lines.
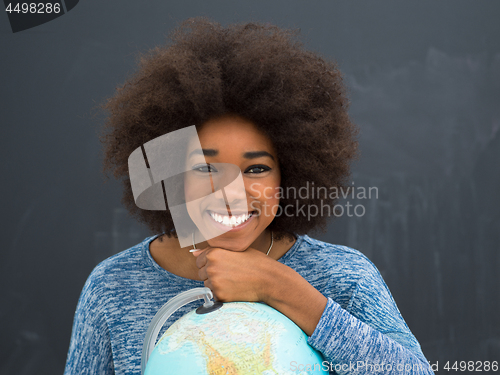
column 205, row 152
column 246, row 155
column 256, row 154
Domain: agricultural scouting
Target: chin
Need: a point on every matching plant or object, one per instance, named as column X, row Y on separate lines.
column 233, row 244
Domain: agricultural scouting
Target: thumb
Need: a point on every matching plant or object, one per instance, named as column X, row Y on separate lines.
column 197, row 252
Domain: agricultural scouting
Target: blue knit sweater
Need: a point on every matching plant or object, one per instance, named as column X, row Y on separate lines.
column 361, row 330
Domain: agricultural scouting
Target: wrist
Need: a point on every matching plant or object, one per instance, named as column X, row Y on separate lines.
column 273, row 281
column 286, row 291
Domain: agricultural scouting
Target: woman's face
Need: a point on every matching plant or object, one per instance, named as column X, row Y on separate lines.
column 240, row 212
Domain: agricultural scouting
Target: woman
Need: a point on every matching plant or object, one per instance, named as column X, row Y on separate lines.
column 279, row 114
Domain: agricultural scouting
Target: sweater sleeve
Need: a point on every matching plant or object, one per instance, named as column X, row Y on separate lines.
column 370, row 335
column 90, row 346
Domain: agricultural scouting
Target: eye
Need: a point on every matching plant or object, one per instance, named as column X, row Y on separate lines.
column 256, row 169
column 204, row 168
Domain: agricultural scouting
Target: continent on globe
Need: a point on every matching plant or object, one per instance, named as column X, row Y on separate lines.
column 240, row 338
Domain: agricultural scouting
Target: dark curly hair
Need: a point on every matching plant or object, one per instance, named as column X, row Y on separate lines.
column 258, row 71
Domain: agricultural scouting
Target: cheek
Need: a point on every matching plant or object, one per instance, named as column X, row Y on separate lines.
column 274, row 201
column 196, row 187
column 188, row 193
column 191, row 193
column 267, row 195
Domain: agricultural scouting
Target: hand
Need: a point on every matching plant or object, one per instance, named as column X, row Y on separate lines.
column 252, row 276
column 234, row 275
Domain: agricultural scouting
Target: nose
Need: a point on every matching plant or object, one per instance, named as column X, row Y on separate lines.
column 231, row 189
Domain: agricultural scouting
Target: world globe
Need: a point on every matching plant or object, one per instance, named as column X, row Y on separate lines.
column 239, row 338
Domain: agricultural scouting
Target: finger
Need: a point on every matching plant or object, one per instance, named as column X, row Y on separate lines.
column 202, row 274
column 201, row 258
column 197, row 252
column 208, row 284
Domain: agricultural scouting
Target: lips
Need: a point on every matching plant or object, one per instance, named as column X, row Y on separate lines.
column 230, row 221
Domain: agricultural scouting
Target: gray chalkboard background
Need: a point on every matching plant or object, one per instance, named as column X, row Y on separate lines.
column 424, row 80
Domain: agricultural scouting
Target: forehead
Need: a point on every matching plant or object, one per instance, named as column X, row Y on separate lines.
column 233, row 132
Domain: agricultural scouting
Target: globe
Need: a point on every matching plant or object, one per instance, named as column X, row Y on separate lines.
column 238, row 338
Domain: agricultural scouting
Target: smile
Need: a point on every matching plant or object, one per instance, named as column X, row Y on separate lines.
column 230, row 221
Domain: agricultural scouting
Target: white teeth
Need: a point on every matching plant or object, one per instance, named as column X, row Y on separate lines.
column 230, row 221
